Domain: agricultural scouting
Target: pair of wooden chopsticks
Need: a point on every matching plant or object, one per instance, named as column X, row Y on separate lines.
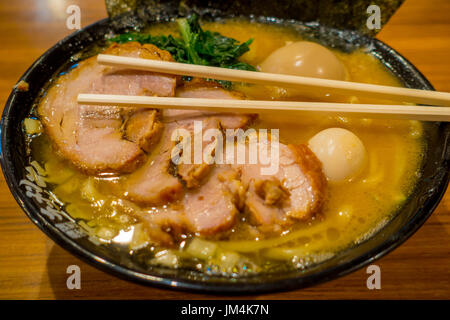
column 440, row 112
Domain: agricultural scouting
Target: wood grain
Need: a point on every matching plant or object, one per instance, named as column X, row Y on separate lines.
column 33, row 267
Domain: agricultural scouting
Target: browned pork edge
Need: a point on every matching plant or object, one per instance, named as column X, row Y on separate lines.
column 312, row 168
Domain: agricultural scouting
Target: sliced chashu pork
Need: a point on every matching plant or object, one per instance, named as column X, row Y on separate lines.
column 144, row 128
column 160, row 179
column 217, row 193
column 204, row 208
column 295, row 192
column 214, row 206
column 205, row 211
column 193, row 174
column 190, row 171
column 154, row 184
column 199, row 88
column 91, row 137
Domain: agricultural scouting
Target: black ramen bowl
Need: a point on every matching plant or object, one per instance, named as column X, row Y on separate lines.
column 68, row 234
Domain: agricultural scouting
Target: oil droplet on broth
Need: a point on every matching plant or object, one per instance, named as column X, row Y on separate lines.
column 333, row 234
column 317, row 236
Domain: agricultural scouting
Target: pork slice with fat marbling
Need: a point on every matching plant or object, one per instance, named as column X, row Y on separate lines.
column 92, row 137
column 193, row 174
column 153, row 183
column 199, row 88
column 206, row 211
column 295, row 192
column 144, row 128
column 190, row 171
column 213, row 207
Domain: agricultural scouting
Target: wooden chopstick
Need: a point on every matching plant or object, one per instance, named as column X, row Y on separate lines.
column 281, row 80
column 423, row 113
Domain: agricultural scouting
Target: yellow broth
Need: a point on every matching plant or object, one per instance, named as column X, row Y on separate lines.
column 353, row 211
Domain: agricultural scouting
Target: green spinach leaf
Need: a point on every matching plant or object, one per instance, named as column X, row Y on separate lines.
column 197, row 46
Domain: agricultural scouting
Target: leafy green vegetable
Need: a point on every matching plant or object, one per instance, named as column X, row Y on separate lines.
column 174, row 46
column 197, row 46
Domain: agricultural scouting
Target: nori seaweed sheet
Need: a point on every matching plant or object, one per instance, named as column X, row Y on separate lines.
column 340, row 14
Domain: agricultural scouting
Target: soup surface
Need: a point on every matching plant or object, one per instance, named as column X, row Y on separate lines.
column 354, row 209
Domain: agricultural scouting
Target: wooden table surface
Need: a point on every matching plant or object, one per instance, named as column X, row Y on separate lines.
column 33, row 267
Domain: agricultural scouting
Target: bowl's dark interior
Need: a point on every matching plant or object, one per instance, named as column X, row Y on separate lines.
column 14, row 158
